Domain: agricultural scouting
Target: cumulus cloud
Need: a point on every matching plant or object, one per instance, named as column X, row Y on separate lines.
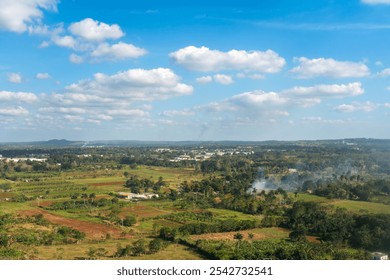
column 117, row 51
column 223, row 79
column 204, row 80
column 384, row 73
column 328, row 67
column 76, row 59
column 93, row 30
column 376, row 2
column 88, row 39
column 203, row 59
column 218, row 78
column 278, row 104
column 73, row 118
column 356, row 106
column 177, row 113
column 42, row 76
column 14, row 78
column 65, row 41
column 77, row 98
column 323, row 121
column 128, row 112
column 248, row 102
column 13, row 111
column 132, row 85
column 9, row 96
column 62, row 110
column 15, row 16
column 331, row 90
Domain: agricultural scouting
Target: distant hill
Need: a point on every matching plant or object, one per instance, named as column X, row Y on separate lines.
column 366, row 143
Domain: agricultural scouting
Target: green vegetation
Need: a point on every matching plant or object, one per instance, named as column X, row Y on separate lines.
column 292, row 200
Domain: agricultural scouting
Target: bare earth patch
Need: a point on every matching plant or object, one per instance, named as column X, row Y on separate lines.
column 91, row 230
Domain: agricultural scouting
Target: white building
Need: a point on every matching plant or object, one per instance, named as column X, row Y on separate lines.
column 126, row 195
column 379, row 256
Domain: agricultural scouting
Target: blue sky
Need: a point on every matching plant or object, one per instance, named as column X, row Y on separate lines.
column 205, row 70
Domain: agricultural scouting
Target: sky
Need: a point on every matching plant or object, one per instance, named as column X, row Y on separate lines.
column 194, row 70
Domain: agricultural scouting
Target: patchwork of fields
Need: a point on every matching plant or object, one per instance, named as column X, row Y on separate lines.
column 78, row 215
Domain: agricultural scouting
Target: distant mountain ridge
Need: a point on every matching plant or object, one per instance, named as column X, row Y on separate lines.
column 58, row 143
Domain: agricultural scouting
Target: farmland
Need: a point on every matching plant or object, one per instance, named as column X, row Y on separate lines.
column 72, row 204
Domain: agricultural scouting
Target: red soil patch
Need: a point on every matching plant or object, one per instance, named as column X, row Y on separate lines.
column 91, row 230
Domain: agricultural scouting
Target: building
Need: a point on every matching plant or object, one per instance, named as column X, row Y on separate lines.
column 379, row 256
column 126, row 195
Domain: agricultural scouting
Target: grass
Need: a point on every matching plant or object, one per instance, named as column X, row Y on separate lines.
column 258, row 234
column 13, row 207
column 363, row 206
column 77, row 251
column 230, row 214
column 311, row 198
column 350, row 205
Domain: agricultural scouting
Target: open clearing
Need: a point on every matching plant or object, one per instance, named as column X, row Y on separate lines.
column 258, row 234
column 91, row 230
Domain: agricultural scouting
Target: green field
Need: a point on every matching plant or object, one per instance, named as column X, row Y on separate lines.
column 350, row 205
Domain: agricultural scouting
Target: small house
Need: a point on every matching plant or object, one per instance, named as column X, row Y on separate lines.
column 379, row 256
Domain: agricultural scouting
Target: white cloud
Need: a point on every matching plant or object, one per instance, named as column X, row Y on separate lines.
column 13, row 111
column 218, row 78
column 42, row 76
column 204, row 80
column 63, row 110
column 177, row 113
column 204, row 59
column 132, row 85
column 73, row 118
column 258, row 99
column 77, row 98
column 65, row 41
column 128, row 112
column 76, row 59
column 45, row 30
column 328, row 67
column 223, row 79
column 117, row 51
column 332, row 90
column 257, row 102
column 323, row 121
column 384, row 73
column 266, row 104
column 17, row 15
column 18, row 96
column 14, row 78
column 93, row 30
column 42, row 30
column 387, row 105
column 356, row 106
column 375, row 2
